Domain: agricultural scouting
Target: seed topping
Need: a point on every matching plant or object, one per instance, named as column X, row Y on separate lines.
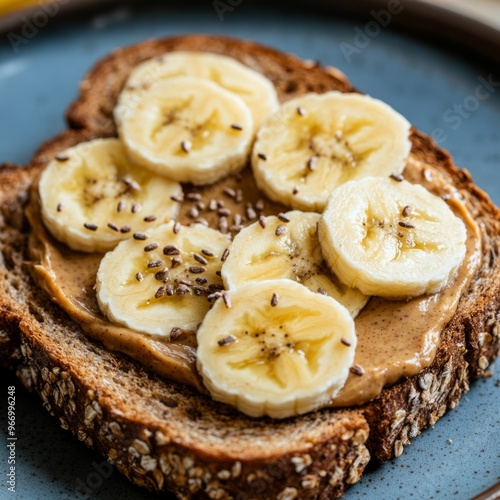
column 186, row 146
column 90, row 227
column 131, row 183
column 200, row 259
column 154, row 263
column 396, row 177
column 250, row 212
column 151, row 247
column 229, row 192
column 280, row 230
column 406, row 211
column 227, row 300
column 226, row 340
column 225, row 255
column 357, row 370
column 171, row 250
column 175, row 333
column 193, row 196
column 179, row 198
column 275, row 299
column 311, row 163
column 197, row 269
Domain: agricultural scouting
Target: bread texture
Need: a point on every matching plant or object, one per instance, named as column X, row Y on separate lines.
column 167, row 437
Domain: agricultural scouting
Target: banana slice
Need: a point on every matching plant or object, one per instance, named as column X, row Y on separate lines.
column 162, row 284
column 286, row 247
column 317, row 142
column 189, row 129
column 256, row 90
column 392, row 239
column 278, row 350
column 92, row 197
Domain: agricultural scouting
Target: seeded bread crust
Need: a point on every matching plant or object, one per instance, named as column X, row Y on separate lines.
column 167, row 437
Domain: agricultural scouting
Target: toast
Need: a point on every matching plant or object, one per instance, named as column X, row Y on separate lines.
column 168, row 437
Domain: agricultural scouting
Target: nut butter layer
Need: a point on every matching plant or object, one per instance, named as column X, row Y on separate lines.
column 395, row 339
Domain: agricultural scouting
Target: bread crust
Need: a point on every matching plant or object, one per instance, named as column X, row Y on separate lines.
column 167, row 437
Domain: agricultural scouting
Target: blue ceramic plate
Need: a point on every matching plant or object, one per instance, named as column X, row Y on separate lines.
column 441, row 92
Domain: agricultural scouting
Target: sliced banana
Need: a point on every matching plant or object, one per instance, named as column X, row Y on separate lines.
column 317, row 142
column 256, row 90
column 162, row 284
column 189, row 129
column 92, row 197
column 392, row 239
column 286, row 247
column 278, row 350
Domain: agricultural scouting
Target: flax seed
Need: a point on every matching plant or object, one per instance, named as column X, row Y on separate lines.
column 197, row 269
column 200, row 259
column 396, row 177
column 280, row 230
column 226, row 340
column 357, row 370
column 151, row 247
column 154, row 263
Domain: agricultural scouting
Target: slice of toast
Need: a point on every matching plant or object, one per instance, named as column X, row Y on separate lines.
column 165, row 436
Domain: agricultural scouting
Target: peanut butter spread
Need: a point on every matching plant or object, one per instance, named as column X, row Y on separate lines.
column 395, row 339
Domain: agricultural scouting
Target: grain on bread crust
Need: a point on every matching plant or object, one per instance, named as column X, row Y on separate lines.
column 165, row 436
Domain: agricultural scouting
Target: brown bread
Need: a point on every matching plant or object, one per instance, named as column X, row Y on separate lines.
column 167, row 437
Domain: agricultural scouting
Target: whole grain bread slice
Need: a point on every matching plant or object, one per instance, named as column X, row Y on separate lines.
column 165, row 436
